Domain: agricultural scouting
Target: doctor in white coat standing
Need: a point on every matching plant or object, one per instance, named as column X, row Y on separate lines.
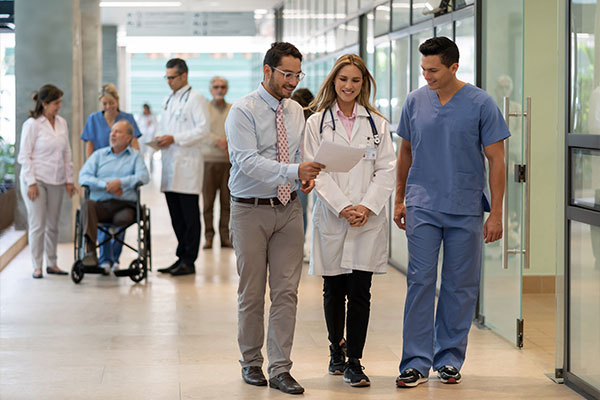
column 183, row 124
column 350, row 214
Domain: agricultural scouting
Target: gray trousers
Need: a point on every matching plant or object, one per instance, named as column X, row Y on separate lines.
column 268, row 245
column 216, row 176
column 42, row 218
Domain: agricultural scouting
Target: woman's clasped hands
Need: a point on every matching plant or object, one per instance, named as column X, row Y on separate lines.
column 356, row 215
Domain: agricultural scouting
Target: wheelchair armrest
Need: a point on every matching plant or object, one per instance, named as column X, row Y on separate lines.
column 86, row 191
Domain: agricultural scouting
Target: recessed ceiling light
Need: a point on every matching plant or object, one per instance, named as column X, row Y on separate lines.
column 140, row 4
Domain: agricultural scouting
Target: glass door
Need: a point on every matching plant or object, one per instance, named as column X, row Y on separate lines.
column 502, row 77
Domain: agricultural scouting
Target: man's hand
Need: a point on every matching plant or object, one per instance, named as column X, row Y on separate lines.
column 363, row 212
column 351, row 215
column 307, row 186
column 33, row 192
column 114, row 187
column 222, row 144
column 400, row 215
column 71, row 189
column 492, row 229
column 309, row 170
column 164, row 141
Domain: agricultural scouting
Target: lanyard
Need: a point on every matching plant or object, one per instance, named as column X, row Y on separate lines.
column 376, row 138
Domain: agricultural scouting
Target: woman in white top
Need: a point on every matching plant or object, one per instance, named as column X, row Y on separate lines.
column 46, row 170
column 350, row 214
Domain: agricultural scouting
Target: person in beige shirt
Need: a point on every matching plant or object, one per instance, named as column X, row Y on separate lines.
column 216, row 165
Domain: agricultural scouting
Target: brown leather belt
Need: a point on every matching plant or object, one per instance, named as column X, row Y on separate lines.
column 273, row 201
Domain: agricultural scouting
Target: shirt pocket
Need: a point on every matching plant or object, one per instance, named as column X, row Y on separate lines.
column 465, row 133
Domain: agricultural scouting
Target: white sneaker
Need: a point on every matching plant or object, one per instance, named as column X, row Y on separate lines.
column 106, row 267
column 115, row 266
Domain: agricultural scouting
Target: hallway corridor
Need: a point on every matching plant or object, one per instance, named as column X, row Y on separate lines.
column 175, row 338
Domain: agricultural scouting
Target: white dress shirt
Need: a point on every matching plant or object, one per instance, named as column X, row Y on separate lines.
column 45, row 153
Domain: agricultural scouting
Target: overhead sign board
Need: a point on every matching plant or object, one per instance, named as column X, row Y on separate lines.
column 191, row 24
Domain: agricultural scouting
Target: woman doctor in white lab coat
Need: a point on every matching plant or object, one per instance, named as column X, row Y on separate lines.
column 350, row 214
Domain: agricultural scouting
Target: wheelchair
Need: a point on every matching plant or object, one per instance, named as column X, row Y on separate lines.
column 138, row 268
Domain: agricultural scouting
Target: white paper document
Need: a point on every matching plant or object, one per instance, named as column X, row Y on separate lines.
column 153, row 144
column 338, row 157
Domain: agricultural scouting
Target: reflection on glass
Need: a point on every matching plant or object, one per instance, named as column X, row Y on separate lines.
column 329, row 12
column 416, row 77
column 585, row 83
column 585, row 178
column 585, row 302
column 418, row 8
column 445, row 30
column 458, row 4
column 370, row 46
column 465, row 40
column 400, row 84
column 382, row 19
column 382, row 78
column 319, row 15
column 340, row 36
column 400, row 13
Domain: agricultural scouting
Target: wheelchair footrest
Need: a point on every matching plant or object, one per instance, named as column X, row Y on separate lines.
column 93, row 270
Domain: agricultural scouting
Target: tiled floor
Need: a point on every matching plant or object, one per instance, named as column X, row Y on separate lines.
column 175, row 338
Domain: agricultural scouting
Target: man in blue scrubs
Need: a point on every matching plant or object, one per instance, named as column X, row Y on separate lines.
column 448, row 129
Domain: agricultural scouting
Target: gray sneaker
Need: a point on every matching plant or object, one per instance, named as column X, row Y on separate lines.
column 90, row 260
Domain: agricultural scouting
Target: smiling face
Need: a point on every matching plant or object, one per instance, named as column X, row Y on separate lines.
column 348, row 83
column 109, row 104
column 51, row 109
column 437, row 75
column 275, row 82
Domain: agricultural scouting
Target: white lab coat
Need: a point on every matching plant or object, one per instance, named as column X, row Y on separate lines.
column 338, row 248
column 186, row 119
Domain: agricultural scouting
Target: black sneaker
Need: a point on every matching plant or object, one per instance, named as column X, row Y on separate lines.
column 449, row 374
column 410, row 378
column 337, row 358
column 354, row 375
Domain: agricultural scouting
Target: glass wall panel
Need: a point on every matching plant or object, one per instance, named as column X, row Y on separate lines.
column 400, row 14
column 352, row 32
column 340, row 36
column 370, row 61
column 465, row 40
column 585, row 83
column 418, row 8
column 445, row 30
column 585, row 302
column 382, row 19
column 458, row 4
column 400, row 85
column 319, row 15
column 416, row 77
column 382, row 78
column 585, row 178
column 340, row 9
column 352, row 6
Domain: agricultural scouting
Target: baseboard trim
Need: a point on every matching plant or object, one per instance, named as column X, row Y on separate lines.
column 19, row 242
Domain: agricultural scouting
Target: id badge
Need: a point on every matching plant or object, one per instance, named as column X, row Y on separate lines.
column 371, row 153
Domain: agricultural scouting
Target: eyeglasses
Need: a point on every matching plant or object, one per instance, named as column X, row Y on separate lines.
column 219, row 87
column 170, row 78
column 288, row 76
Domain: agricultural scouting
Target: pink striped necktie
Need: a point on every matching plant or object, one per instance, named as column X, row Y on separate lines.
column 284, row 192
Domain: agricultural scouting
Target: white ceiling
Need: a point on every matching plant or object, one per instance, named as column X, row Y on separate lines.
column 118, row 15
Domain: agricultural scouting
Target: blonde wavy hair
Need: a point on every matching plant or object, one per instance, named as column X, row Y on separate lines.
column 327, row 95
column 109, row 90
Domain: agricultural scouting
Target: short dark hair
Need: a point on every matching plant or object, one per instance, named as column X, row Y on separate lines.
column 179, row 64
column 279, row 50
column 443, row 47
column 304, row 96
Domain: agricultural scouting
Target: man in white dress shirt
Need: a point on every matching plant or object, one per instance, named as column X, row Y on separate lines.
column 183, row 124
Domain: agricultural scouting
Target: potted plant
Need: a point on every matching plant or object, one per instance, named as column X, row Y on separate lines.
column 8, row 198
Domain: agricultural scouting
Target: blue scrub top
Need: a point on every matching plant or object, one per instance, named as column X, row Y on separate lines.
column 97, row 131
column 448, row 165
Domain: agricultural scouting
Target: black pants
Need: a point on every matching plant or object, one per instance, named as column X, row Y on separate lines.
column 357, row 288
column 185, row 218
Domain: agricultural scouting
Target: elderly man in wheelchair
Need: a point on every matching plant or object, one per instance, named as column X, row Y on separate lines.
column 112, row 177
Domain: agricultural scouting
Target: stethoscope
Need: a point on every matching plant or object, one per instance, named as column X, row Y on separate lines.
column 185, row 94
column 376, row 138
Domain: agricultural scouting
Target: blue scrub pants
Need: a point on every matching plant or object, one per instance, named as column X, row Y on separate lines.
column 426, row 346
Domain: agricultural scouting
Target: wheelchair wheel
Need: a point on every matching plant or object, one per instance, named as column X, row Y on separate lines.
column 77, row 271
column 137, row 270
column 147, row 238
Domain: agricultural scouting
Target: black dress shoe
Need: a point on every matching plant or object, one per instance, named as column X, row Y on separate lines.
column 170, row 268
column 184, row 269
column 56, row 271
column 286, row 384
column 254, row 376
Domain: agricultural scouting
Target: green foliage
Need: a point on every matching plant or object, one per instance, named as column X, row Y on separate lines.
column 7, row 165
